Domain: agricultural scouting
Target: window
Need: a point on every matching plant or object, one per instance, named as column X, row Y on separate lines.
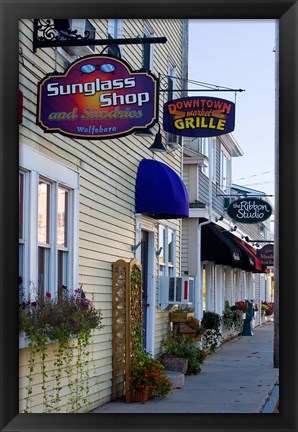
column 115, row 31
column 172, row 140
column 21, row 223
column 204, row 150
column 44, row 238
column 148, row 49
column 167, row 257
column 171, row 81
column 48, row 224
column 225, row 170
column 62, row 238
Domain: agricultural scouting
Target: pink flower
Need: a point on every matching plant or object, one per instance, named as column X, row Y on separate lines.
column 48, row 295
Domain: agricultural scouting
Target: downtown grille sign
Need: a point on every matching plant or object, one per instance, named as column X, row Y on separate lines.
column 97, row 97
column 199, row 116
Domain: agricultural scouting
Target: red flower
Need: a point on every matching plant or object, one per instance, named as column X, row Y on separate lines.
column 48, row 295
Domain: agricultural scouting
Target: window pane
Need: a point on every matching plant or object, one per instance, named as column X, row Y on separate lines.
column 43, row 212
column 179, row 290
column 43, row 271
column 62, row 217
column 172, row 289
column 21, row 205
column 170, row 247
column 21, row 261
column 62, row 271
column 162, row 236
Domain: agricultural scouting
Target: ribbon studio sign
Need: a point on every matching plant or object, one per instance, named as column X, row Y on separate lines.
column 249, row 210
column 97, row 97
column 199, row 116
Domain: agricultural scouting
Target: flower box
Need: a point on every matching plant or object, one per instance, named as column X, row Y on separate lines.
column 180, row 317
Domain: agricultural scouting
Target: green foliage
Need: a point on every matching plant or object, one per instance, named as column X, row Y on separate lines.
column 58, row 318
column 67, row 321
column 182, row 308
column 136, row 312
column 180, row 346
column 211, row 321
column 233, row 317
column 146, row 374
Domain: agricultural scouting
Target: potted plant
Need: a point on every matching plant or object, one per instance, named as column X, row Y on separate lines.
column 267, row 309
column 178, row 347
column 211, row 322
column 242, row 306
column 181, row 314
column 147, row 379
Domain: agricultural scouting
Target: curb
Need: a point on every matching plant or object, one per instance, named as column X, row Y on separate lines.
column 272, row 403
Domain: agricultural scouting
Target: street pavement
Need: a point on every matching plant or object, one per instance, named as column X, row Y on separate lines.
column 239, row 377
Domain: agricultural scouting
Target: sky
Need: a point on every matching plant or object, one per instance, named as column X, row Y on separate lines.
column 239, row 54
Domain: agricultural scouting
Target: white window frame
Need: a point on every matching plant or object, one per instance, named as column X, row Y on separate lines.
column 225, row 170
column 204, row 150
column 148, row 33
column 213, row 144
column 115, row 30
column 172, row 75
column 36, row 166
column 165, row 268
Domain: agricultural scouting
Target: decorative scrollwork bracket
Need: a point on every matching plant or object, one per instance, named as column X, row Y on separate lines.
column 49, row 33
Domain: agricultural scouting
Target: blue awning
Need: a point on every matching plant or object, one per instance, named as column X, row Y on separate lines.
column 160, row 192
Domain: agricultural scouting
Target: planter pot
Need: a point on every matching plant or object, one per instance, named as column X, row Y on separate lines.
column 141, row 395
column 180, row 317
column 175, row 364
column 244, row 315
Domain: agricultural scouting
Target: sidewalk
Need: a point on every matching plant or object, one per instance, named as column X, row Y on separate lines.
column 237, row 378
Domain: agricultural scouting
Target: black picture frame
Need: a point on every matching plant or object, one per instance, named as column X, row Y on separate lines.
column 287, row 14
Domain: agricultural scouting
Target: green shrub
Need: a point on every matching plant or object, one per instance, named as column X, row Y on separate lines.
column 180, row 346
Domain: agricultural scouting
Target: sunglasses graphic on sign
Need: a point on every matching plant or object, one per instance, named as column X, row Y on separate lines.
column 90, row 68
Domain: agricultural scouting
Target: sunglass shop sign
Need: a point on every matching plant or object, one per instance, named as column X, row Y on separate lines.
column 199, row 116
column 97, row 97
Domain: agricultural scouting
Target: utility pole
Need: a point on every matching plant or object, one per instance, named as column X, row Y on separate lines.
column 276, row 205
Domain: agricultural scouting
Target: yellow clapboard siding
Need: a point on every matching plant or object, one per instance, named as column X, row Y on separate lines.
column 107, row 171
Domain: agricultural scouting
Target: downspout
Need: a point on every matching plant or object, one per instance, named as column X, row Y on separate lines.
column 184, row 73
column 198, row 288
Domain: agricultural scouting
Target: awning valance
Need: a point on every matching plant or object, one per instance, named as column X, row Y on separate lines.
column 218, row 248
column 160, row 192
column 257, row 264
column 250, row 260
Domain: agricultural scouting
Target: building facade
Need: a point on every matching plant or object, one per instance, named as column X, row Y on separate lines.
column 216, row 250
column 77, row 198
